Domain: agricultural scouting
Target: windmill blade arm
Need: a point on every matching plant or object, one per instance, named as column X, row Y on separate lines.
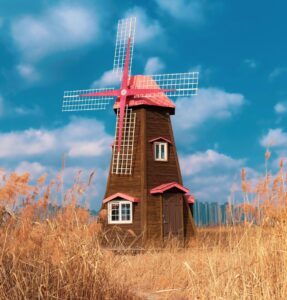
column 97, row 100
column 179, row 84
column 113, row 93
column 126, row 30
column 144, row 92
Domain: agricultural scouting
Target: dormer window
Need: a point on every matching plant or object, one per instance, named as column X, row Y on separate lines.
column 160, row 151
column 160, row 148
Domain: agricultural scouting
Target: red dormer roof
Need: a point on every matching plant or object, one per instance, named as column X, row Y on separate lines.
column 120, row 195
column 167, row 186
column 160, row 138
column 161, row 100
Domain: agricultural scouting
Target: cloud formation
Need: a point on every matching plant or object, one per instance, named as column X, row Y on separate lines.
column 60, row 28
column 36, row 169
column 210, row 104
column 80, row 138
column 146, row 27
column 277, row 72
column 84, row 143
column 280, row 108
column 210, row 174
column 251, row 63
column 28, row 72
column 108, row 79
column 274, row 138
column 210, row 159
column 154, row 65
column 192, row 11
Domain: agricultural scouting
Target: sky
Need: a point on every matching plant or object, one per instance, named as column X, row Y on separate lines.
column 238, row 47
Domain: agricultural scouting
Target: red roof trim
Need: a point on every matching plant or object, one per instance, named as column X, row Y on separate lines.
column 189, row 198
column 160, row 138
column 120, row 195
column 167, row 186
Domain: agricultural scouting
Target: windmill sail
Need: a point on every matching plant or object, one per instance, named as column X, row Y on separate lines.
column 126, row 30
column 178, row 84
column 123, row 160
column 73, row 101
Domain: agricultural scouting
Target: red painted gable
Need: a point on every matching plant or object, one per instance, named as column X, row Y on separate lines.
column 167, row 186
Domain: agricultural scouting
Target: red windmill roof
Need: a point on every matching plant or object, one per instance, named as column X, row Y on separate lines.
column 139, row 81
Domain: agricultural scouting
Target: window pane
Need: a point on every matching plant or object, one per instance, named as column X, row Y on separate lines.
column 115, row 212
column 157, row 151
column 162, row 151
column 126, row 213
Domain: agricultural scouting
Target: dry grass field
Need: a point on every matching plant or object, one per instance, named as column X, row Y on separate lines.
column 44, row 256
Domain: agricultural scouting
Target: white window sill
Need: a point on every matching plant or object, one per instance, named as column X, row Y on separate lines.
column 120, row 222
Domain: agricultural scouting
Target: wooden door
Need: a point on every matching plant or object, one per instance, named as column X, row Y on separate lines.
column 172, row 215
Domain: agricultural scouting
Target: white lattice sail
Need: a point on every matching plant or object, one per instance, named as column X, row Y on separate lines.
column 180, row 84
column 73, row 101
column 126, row 30
column 122, row 161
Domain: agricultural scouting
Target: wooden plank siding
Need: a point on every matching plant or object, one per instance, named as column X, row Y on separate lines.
column 151, row 122
column 188, row 221
column 131, row 185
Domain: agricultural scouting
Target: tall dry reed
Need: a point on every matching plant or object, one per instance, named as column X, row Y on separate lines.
column 47, row 252
column 59, row 256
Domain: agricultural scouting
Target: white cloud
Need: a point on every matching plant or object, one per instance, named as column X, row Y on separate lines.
column 251, row 63
column 147, row 28
column 210, row 104
column 201, row 161
column 85, row 143
column 93, row 195
column 277, row 72
column 28, row 143
column 280, row 108
column 210, row 174
column 154, row 65
column 60, row 28
column 108, row 79
column 111, row 79
column 28, row 72
column 274, row 138
column 192, row 11
column 80, row 138
column 204, row 73
column 34, row 168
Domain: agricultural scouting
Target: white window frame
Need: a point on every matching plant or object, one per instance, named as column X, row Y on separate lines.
column 120, row 221
column 165, row 151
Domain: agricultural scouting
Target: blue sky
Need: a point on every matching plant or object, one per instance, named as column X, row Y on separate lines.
column 239, row 48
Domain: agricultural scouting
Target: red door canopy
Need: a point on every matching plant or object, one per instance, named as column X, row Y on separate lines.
column 168, row 186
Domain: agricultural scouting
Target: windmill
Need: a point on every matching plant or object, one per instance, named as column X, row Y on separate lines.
column 137, row 99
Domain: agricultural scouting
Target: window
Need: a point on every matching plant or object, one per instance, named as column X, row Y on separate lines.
column 120, row 212
column 160, row 152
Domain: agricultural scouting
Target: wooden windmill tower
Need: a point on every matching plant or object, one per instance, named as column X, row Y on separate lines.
column 144, row 192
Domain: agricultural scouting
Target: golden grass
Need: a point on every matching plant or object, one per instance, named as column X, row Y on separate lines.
column 224, row 263
column 44, row 256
